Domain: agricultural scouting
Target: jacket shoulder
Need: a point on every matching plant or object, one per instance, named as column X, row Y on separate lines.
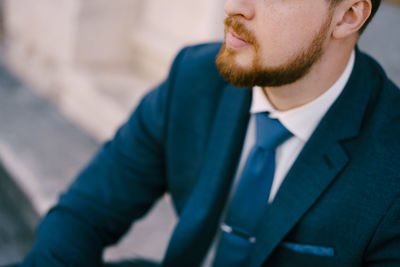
column 382, row 120
column 204, row 51
column 197, row 62
column 194, row 76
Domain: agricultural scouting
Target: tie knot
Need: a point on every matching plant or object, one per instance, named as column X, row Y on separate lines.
column 270, row 132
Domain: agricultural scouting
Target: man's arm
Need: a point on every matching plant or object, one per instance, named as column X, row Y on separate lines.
column 120, row 185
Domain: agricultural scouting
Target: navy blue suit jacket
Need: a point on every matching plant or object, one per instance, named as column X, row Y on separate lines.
column 339, row 204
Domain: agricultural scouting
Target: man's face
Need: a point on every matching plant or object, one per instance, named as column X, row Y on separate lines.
column 272, row 42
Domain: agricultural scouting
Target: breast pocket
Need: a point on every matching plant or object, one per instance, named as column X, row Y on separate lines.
column 309, row 249
column 302, row 255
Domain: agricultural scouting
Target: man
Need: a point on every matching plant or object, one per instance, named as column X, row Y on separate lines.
column 326, row 193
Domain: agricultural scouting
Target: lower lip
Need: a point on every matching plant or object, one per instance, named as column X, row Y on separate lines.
column 234, row 42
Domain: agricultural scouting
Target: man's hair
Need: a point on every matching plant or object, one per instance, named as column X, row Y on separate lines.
column 375, row 6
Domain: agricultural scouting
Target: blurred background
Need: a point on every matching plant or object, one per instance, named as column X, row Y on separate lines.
column 71, row 71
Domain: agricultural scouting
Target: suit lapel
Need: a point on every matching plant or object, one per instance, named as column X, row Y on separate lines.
column 198, row 221
column 302, row 187
column 319, row 163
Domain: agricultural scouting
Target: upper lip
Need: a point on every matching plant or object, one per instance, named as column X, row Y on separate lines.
column 237, row 35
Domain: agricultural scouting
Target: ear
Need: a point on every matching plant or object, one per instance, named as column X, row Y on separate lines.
column 351, row 16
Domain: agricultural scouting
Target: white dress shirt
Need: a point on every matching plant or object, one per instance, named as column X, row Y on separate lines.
column 300, row 121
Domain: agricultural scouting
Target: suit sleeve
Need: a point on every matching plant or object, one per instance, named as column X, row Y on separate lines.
column 120, row 184
column 384, row 248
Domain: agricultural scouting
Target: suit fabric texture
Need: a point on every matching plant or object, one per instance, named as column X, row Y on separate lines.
column 339, row 204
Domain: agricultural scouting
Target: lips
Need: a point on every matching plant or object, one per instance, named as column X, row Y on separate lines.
column 234, row 41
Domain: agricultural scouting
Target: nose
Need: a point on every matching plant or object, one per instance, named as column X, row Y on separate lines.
column 243, row 8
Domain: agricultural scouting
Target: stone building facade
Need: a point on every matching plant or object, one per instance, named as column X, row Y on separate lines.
column 95, row 58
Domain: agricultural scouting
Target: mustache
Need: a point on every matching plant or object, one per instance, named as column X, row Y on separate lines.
column 239, row 29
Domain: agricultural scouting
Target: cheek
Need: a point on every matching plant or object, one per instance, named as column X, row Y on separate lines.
column 285, row 34
column 278, row 44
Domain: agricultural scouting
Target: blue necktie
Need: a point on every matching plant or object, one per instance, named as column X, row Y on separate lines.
column 251, row 197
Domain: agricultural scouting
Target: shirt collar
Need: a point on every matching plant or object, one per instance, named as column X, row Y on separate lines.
column 302, row 121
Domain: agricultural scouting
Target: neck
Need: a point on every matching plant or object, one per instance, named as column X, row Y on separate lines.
column 322, row 75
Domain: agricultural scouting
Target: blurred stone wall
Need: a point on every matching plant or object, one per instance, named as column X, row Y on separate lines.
column 95, row 58
column 167, row 25
column 40, row 39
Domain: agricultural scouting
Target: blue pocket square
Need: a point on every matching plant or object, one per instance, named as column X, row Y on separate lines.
column 309, row 249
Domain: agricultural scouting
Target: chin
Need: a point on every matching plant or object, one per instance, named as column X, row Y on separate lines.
column 243, row 58
column 245, row 62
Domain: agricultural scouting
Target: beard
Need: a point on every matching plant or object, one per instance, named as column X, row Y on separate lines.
column 257, row 74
